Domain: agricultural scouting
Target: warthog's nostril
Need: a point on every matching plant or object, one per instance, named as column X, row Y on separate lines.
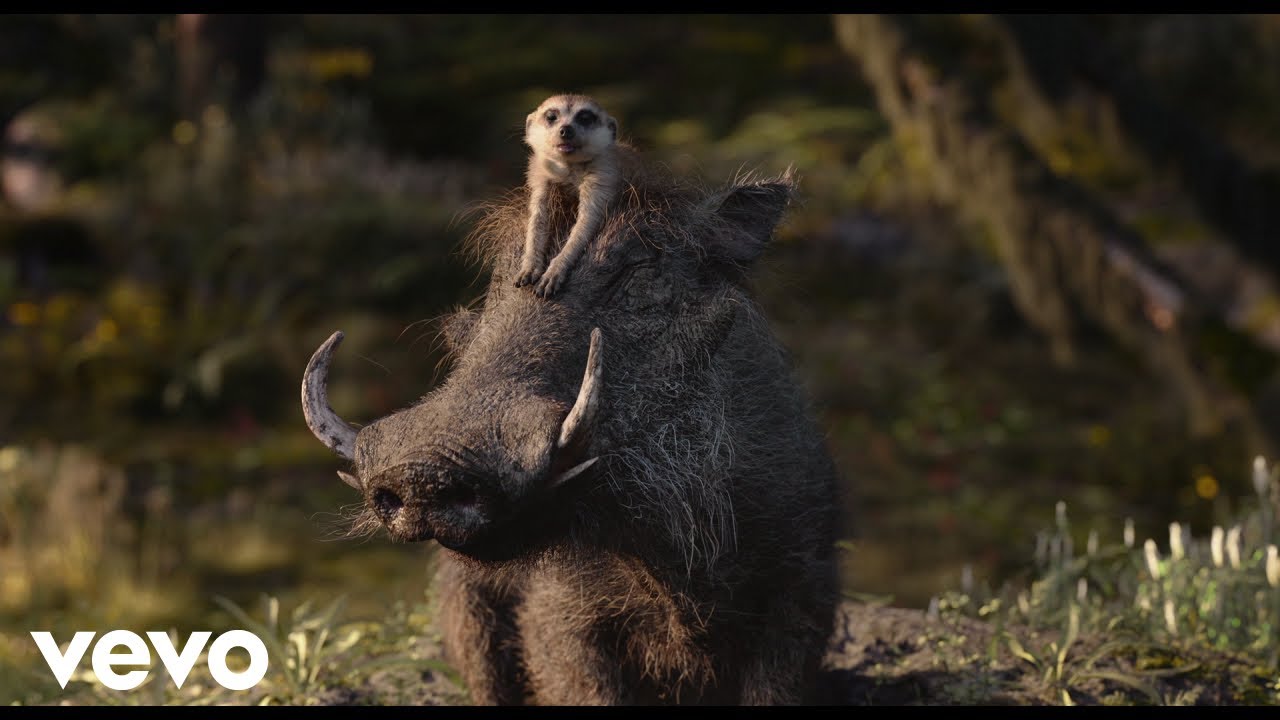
column 386, row 504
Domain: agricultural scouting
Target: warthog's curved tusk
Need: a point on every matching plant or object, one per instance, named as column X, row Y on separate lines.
column 325, row 424
column 351, row 480
column 572, row 473
column 577, row 426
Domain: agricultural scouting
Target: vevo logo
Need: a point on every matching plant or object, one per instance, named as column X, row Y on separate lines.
column 177, row 664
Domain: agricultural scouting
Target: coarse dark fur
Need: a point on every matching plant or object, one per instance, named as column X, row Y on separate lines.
column 694, row 562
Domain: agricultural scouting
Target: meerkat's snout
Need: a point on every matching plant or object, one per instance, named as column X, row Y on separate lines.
column 567, row 136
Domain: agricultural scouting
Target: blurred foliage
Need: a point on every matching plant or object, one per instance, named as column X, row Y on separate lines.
column 317, row 657
column 84, row 546
column 156, row 315
column 1220, row 592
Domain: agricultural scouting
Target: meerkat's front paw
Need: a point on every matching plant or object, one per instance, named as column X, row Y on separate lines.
column 528, row 275
column 552, row 280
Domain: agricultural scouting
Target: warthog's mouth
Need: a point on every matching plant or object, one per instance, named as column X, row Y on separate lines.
column 419, row 524
column 502, row 539
column 484, row 527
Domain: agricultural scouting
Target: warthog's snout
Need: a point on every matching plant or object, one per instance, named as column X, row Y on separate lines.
column 436, row 492
column 420, row 501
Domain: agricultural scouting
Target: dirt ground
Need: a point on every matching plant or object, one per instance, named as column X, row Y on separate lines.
column 893, row 656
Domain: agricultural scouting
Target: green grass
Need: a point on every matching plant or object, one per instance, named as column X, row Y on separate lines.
column 1156, row 605
column 316, row 653
column 1120, row 612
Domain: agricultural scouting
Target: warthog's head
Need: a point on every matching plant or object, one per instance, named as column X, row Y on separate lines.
column 546, row 395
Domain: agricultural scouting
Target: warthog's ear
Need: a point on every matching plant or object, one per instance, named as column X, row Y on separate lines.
column 748, row 214
column 458, row 328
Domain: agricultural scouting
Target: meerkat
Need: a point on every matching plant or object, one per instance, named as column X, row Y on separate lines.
column 573, row 142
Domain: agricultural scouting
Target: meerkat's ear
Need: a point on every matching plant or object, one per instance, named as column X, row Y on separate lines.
column 528, row 120
column 613, row 128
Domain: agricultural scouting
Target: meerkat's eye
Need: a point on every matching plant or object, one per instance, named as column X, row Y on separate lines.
column 586, row 118
column 552, row 116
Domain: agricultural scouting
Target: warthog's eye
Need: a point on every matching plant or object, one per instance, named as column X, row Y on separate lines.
column 586, row 118
column 638, row 285
column 552, row 116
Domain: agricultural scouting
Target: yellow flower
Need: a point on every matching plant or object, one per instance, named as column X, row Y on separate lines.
column 1099, row 435
column 9, row 458
column 184, row 133
column 106, row 330
column 24, row 313
column 353, row 62
column 1207, row 486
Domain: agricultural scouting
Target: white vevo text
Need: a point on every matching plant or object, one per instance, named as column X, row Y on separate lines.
column 133, row 651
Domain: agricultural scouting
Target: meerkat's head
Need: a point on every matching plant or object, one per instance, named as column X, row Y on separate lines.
column 571, row 128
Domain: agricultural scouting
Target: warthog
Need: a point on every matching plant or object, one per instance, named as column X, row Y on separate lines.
column 634, row 502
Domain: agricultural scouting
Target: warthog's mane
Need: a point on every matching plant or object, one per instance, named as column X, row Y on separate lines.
column 667, row 212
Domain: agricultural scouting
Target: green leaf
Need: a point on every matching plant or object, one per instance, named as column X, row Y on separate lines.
column 1131, row 681
column 1073, row 628
column 265, row 633
column 272, row 607
column 1170, row 672
column 299, row 614
column 1018, row 650
column 869, row 598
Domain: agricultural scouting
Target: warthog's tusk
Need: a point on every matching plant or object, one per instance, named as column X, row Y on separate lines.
column 325, row 424
column 572, row 472
column 578, row 424
column 351, row 480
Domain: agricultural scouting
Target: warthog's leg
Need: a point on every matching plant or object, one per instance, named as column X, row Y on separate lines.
column 788, row 653
column 478, row 629
column 774, row 676
column 565, row 663
column 602, row 630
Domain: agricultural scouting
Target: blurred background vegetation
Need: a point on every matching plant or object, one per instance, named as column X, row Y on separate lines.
column 1035, row 261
